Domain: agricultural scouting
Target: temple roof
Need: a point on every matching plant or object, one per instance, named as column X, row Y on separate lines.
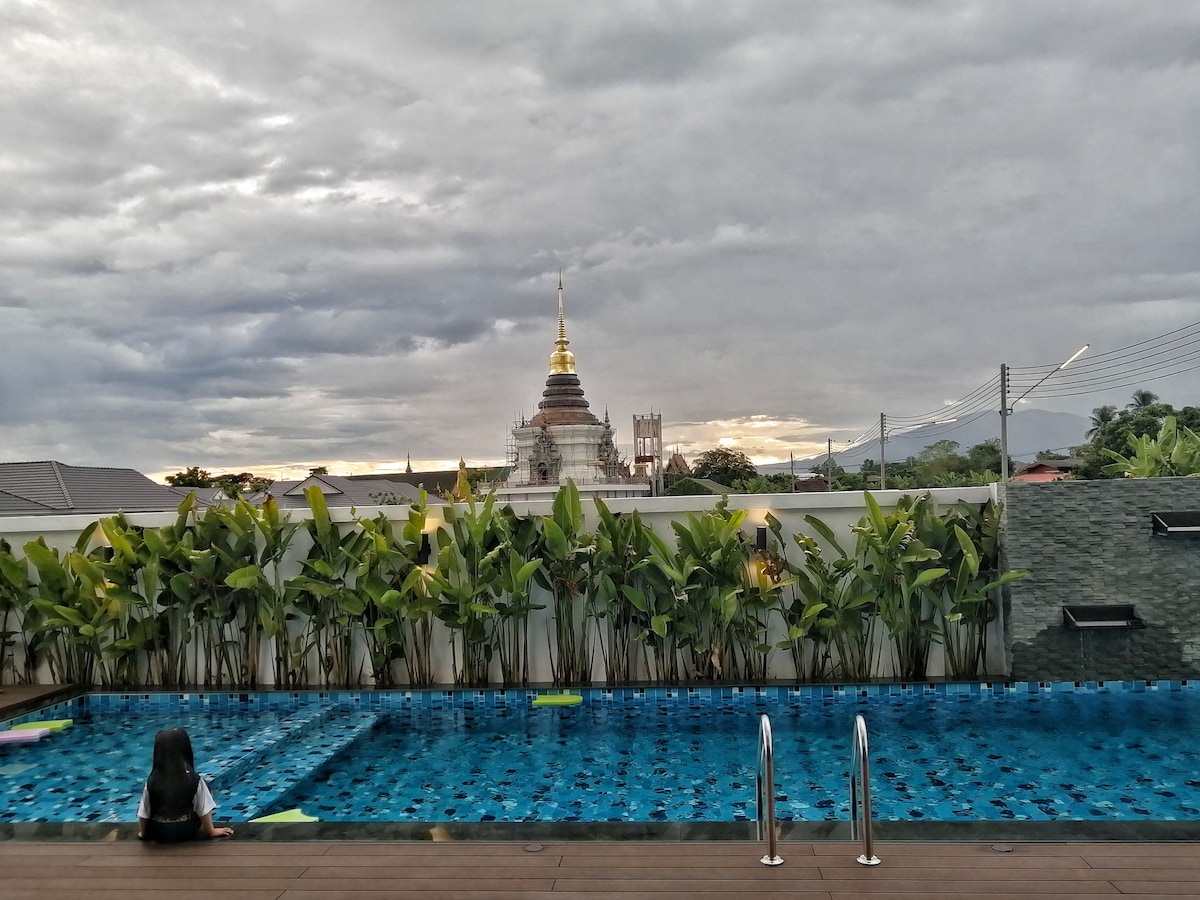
column 563, row 402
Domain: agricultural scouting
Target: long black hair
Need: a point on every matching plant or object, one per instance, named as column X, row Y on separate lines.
column 173, row 779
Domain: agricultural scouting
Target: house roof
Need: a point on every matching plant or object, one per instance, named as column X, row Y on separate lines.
column 1049, row 465
column 48, row 487
column 341, row 491
column 436, row 482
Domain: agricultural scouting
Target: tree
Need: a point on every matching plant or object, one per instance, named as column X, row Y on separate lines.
column 1101, row 416
column 319, row 470
column 938, row 460
column 233, row 485
column 779, row 483
column 724, row 466
column 985, row 456
column 192, row 476
column 1143, row 399
column 1129, row 424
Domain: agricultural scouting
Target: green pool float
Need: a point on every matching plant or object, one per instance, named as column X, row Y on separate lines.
column 557, row 700
column 287, row 815
column 52, row 724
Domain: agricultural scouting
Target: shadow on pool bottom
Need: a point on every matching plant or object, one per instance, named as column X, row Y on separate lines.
column 958, row 831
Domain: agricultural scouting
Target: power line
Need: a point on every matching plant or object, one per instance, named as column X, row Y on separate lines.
column 1119, row 353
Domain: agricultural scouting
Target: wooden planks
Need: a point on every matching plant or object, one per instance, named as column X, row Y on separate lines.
column 326, row 870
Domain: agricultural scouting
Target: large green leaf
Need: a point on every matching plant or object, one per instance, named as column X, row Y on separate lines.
column 245, row 578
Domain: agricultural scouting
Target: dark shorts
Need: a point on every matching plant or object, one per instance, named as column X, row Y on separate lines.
column 173, row 832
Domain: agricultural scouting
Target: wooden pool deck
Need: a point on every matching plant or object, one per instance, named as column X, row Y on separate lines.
column 121, row 869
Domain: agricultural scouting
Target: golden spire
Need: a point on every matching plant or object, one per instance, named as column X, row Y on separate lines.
column 562, row 360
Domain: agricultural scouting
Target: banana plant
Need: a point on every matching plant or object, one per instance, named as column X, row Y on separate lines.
column 403, row 597
column 262, row 608
column 467, row 580
column 325, row 595
column 79, row 623
column 621, row 590
column 565, row 550
column 1175, row 450
column 966, row 600
column 834, row 611
column 895, row 565
column 224, row 543
column 133, row 574
column 180, row 601
column 715, row 554
column 16, row 597
column 517, row 566
column 666, row 629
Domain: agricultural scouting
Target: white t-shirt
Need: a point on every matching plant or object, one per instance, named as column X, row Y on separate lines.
column 202, row 802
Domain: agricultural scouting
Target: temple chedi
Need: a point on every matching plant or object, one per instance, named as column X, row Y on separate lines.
column 565, row 440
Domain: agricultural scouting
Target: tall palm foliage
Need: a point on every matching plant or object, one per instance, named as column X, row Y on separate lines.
column 201, row 600
column 403, row 597
column 1142, row 399
column 842, row 609
column 722, row 619
column 1101, row 416
column 565, row 550
column 966, row 599
column 621, row 589
column 1175, row 450
column 467, row 580
column 15, row 596
column 518, row 564
column 892, row 564
column 325, row 594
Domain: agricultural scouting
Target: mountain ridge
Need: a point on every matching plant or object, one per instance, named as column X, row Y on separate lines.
column 1029, row 433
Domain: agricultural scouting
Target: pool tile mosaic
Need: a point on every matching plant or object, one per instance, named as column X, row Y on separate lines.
column 1089, row 751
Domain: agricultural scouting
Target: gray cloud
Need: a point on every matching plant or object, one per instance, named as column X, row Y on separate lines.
column 237, row 235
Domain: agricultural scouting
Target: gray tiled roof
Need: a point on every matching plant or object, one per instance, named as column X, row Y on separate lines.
column 48, row 487
column 12, row 505
column 435, row 482
column 341, row 492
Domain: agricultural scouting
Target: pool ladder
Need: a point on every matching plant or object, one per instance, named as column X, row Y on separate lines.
column 860, row 812
column 860, row 808
column 765, row 789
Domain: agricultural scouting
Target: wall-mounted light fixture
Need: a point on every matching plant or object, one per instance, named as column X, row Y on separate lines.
column 424, row 551
column 760, row 538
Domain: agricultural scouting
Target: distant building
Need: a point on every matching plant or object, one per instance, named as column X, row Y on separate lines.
column 438, row 483
column 1043, row 470
column 341, row 492
column 50, row 488
column 565, row 441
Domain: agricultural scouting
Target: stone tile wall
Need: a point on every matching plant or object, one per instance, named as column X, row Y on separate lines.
column 1090, row 543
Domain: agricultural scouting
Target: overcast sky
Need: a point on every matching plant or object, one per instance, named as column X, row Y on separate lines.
column 243, row 235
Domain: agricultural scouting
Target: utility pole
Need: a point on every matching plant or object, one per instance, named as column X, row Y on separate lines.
column 1003, row 424
column 882, row 452
column 792, row 459
column 1006, row 410
column 829, row 465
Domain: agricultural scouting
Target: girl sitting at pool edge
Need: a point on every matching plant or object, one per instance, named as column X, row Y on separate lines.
column 176, row 804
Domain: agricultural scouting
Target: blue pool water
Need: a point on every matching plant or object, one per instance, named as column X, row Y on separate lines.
column 1017, row 753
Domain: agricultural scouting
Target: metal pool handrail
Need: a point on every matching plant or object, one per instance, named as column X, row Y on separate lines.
column 765, row 786
column 859, row 759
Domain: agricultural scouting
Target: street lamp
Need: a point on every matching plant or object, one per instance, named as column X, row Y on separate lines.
column 1006, row 408
column 883, row 433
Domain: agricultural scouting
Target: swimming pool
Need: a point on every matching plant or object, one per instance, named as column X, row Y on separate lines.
column 1026, row 752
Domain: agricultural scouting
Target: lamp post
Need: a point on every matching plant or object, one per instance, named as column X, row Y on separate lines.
column 1006, row 408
